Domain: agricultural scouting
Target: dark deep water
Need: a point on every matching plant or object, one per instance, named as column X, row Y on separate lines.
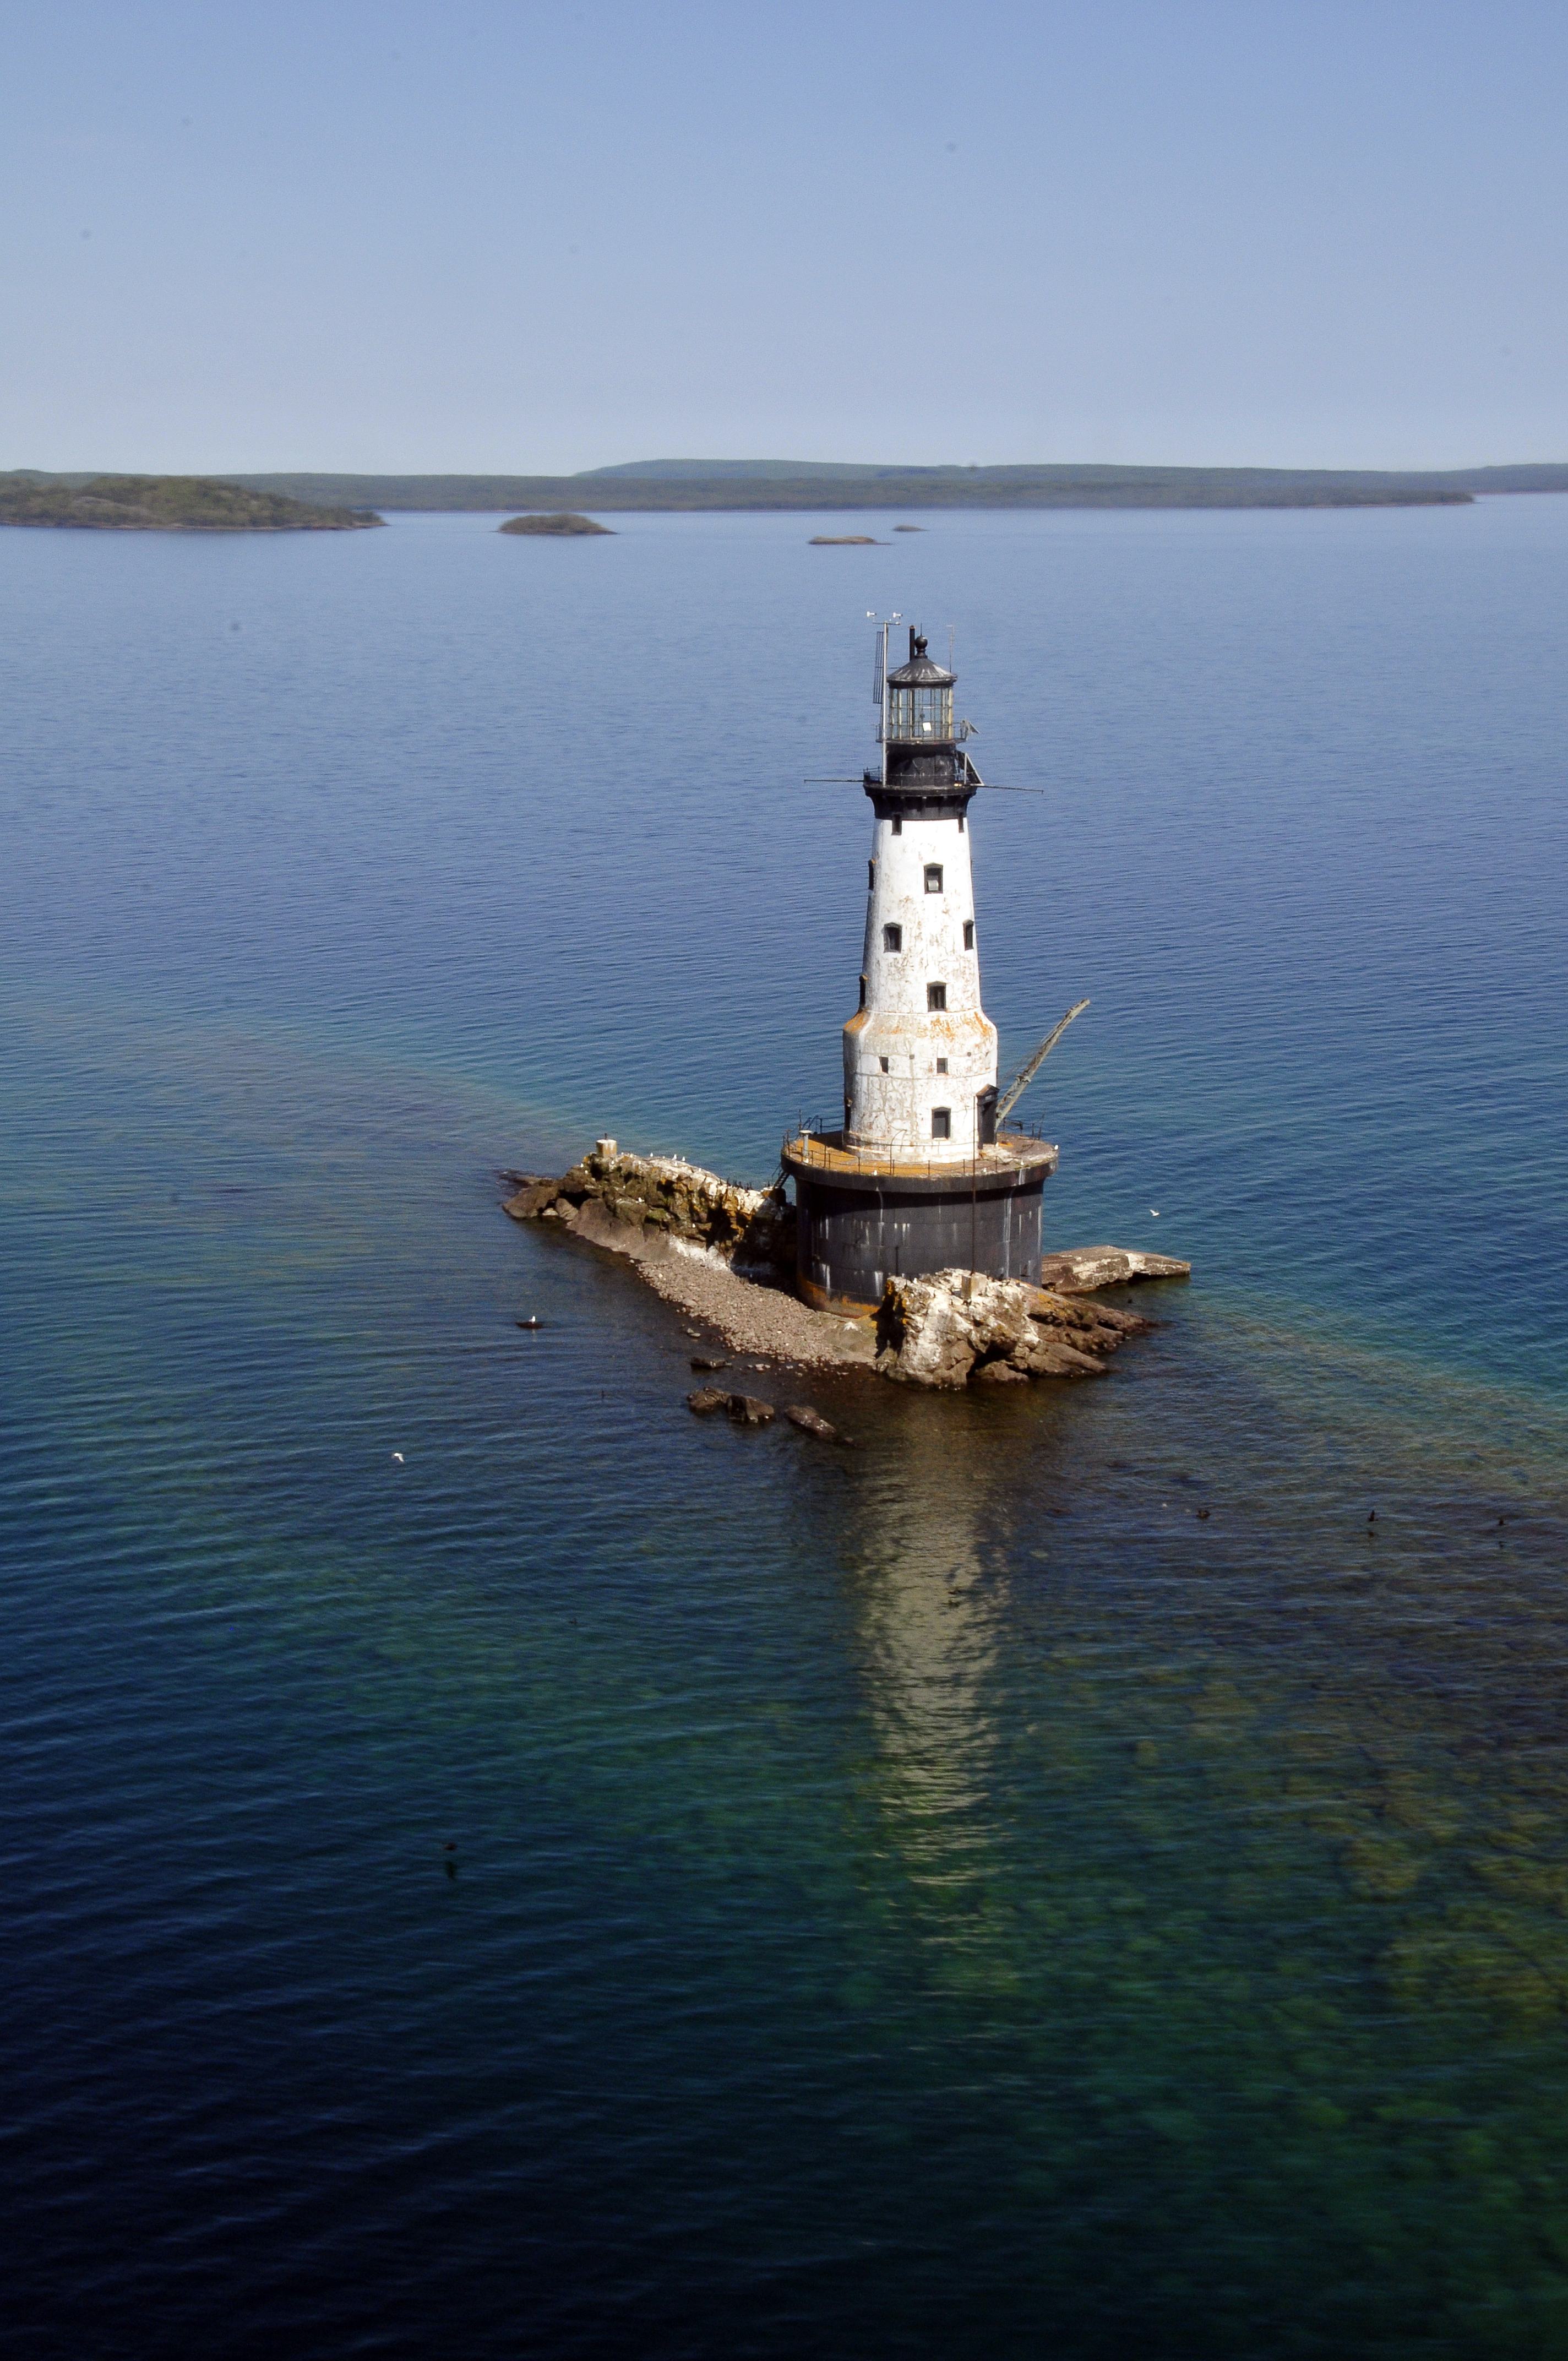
column 944, row 1899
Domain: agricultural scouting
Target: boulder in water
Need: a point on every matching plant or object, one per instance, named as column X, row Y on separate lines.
column 811, row 1422
column 746, row 1409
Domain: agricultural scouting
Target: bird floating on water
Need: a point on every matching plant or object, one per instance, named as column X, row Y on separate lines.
column 399, row 1457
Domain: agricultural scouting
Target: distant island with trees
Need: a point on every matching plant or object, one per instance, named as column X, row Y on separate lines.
column 312, row 502
column 773, row 484
column 167, row 504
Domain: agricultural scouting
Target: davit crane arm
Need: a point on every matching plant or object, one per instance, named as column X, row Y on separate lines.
column 1021, row 1080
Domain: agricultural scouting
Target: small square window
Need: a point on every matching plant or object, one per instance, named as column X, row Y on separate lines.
column 968, row 934
column 893, row 938
column 935, row 995
column 941, row 1065
column 885, row 1065
column 941, row 1123
column 932, row 877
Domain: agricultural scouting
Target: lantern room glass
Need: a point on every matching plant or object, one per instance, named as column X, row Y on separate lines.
column 919, row 713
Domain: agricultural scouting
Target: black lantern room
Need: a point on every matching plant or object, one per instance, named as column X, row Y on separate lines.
column 921, row 744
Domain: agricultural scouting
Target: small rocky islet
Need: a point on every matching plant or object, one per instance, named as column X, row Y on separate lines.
column 563, row 524
column 726, row 1255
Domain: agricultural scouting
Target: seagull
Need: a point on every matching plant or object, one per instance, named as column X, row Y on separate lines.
column 399, row 1457
column 1155, row 1211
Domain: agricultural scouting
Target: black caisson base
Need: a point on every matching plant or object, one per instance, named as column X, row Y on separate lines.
column 860, row 1223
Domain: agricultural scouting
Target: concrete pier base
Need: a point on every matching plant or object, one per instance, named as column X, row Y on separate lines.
column 861, row 1219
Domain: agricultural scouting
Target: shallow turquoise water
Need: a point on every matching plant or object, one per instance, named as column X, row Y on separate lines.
column 947, row 1897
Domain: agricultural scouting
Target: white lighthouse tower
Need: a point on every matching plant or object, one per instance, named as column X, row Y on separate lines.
column 920, row 1052
column 921, row 1177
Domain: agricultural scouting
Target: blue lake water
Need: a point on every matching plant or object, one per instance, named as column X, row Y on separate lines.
column 944, row 1898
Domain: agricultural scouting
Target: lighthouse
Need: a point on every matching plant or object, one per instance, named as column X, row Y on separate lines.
column 921, row 1176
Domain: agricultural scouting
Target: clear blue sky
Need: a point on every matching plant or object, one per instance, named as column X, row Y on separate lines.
column 416, row 237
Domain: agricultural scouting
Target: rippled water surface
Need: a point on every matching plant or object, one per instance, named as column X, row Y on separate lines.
column 947, row 1897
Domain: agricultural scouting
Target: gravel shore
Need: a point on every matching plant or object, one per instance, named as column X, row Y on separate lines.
column 754, row 1319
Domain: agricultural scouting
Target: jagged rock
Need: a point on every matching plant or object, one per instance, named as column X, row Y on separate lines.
column 811, row 1422
column 706, row 1399
column 699, row 1364
column 1055, row 1359
column 1093, row 1328
column 534, row 1201
column 1085, row 1268
column 652, row 1205
column 954, row 1325
column 747, row 1411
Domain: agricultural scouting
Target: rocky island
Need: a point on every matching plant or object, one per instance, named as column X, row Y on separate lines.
column 565, row 523
column 724, row 1255
column 165, row 504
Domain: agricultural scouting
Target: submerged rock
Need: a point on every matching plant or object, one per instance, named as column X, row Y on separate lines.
column 811, row 1422
column 746, row 1409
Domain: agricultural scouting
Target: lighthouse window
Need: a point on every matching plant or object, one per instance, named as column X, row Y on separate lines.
column 883, row 1063
column 932, row 877
column 862, row 992
column 941, row 1065
column 870, row 875
column 935, row 995
column 920, row 713
column 941, row 1123
column 968, row 934
column 893, row 938
column 898, row 827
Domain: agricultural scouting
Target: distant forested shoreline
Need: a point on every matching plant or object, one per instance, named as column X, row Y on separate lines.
column 784, row 484
column 281, row 501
